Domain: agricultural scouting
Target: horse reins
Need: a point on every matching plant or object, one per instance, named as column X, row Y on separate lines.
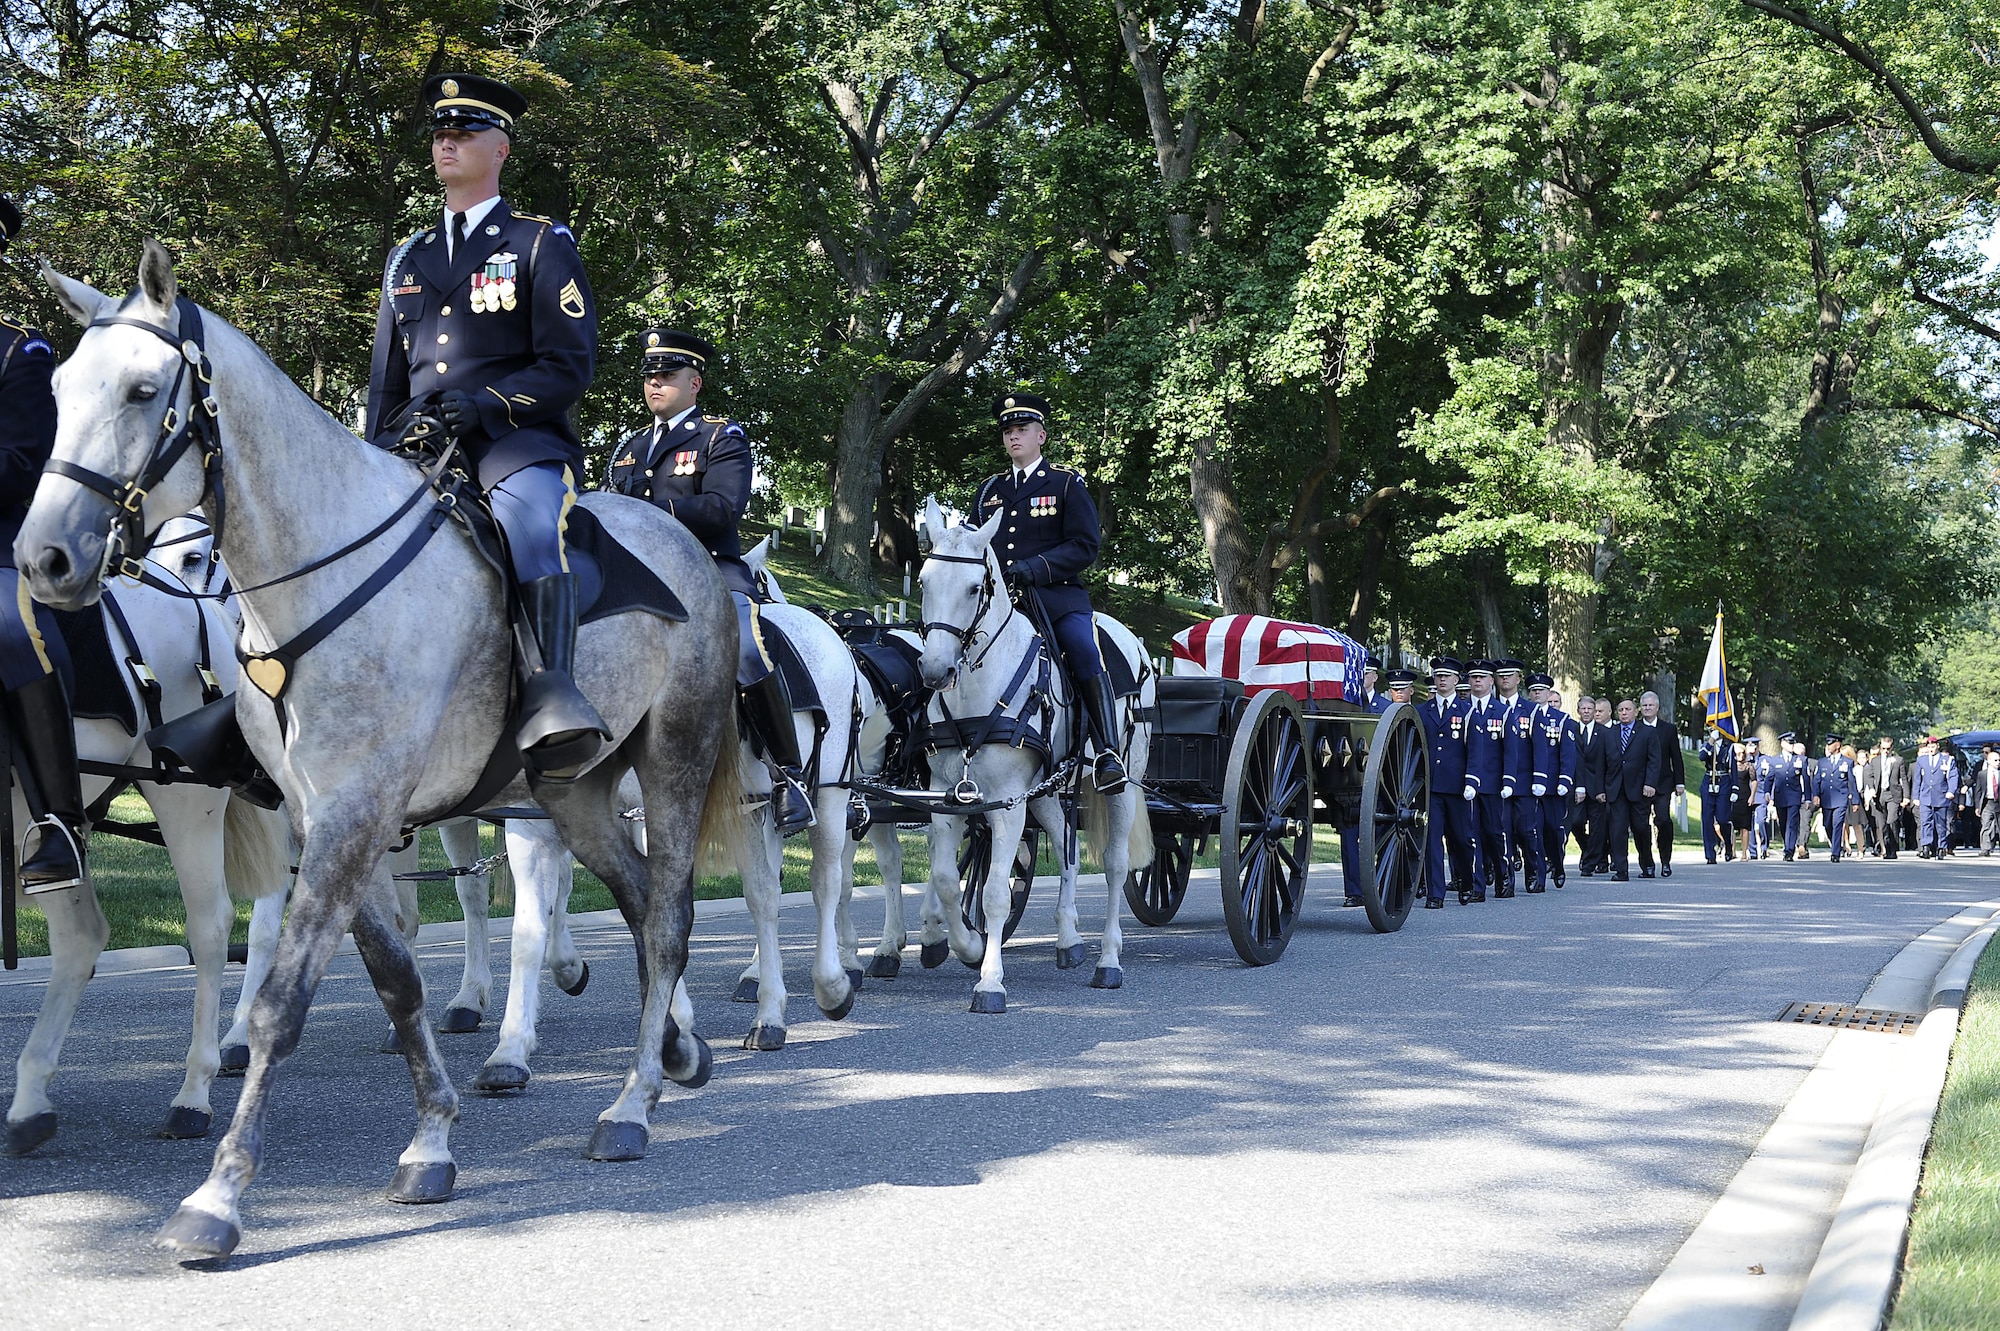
column 966, row 634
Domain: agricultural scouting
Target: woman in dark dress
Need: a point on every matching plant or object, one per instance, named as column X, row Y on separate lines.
column 1740, row 811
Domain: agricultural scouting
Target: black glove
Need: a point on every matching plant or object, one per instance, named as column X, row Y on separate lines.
column 458, row 412
column 1017, row 578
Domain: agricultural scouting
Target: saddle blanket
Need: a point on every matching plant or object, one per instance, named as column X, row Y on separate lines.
column 1311, row 663
column 610, row 579
column 103, row 689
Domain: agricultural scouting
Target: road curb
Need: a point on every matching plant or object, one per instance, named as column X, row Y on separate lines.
column 1751, row 1260
column 1856, row 1274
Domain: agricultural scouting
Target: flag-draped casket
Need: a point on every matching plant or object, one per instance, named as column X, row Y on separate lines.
column 1313, row 664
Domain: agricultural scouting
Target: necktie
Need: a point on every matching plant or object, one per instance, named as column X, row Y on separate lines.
column 1624, row 738
column 457, row 235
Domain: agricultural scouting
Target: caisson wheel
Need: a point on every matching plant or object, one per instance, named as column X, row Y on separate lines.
column 1155, row 892
column 1395, row 816
column 1266, row 827
column 975, row 862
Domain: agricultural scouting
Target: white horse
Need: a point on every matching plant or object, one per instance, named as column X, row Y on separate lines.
column 871, row 751
column 393, row 715
column 221, row 847
column 975, row 643
column 543, row 873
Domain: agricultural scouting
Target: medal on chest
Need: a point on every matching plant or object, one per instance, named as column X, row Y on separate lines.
column 1042, row 506
column 684, row 462
column 494, row 285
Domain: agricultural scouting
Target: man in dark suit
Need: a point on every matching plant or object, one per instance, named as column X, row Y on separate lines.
column 1576, row 820
column 1673, row 777
column 1986, row 797
column 1593, row 789
column 487, row 334
column 1633, row 781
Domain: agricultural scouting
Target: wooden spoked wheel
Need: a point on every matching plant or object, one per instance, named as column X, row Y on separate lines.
column 1395, row 818
column 1155, row 892
column 975, row 863
column 1266, row 827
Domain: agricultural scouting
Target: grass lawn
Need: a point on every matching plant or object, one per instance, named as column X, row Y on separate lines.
column 1951, row 1275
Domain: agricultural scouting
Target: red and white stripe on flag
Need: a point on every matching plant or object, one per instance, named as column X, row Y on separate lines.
column 1309, row 662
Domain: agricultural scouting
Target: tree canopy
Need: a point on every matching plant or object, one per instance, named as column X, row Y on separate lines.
column 1491, row 326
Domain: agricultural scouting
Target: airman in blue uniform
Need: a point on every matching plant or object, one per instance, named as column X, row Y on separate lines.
column 1444, row 719
column 1718, row 793
column 1048, row 536
column 698, row 468
column 1485, row 744
column 1555, row 736
column 1934, row 787
column 1833, row 793
column 1376, row 701
column 1518, row 776
column 487, row 334
column 34, row 662
column 1788, row 791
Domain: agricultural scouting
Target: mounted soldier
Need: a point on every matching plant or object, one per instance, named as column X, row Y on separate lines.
column 698, row 467
column 487, row 335
column 34, row 662
column 1049, row 538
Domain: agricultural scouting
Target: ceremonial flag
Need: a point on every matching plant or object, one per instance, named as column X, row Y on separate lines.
column 1715, row 686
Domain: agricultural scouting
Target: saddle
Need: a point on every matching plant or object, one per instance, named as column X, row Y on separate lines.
column 102, row 693
column 892, row 667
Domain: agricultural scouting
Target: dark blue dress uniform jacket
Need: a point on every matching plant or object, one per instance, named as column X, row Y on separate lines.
column 1048, row 532
column 699, row 471
column 1445, row 724
column 1485, row 738
column 27, row 423
column 525, row 367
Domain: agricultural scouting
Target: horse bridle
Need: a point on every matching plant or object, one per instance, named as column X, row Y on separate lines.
column 128, row 542
column 966, row 634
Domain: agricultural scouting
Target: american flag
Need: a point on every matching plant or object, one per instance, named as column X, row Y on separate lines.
column 1309, row 662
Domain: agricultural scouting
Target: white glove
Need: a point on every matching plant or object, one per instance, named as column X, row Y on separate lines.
column 1539, row 790
column 1506, row 794
column 1470, row 792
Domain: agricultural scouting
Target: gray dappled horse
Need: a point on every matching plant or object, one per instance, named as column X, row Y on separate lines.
column 394, row 715
column 979, row 653
column 221, row 846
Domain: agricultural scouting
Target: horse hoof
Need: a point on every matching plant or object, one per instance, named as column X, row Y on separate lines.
column 422, row 1184
column 1069, row 958
column 854, row 978
column 704, row 1067
column 582, row 982
column 199, row 1234
column 459, row 1021
column 235, row 1060
column 617, row 1141
column 765, row 1039
column 988, row 1002
column 495, row 1078
column 26, row 1135
column 746, row 990
column 1108, row 977
column 933, row 954
column 884, row 967
column 184, row 1122
column 392, row 1043
column 839, row 1011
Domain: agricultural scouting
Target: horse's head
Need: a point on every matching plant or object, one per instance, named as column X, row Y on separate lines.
column 122, row 392
column 961, row 583
column 184, row 545
column 758, row 560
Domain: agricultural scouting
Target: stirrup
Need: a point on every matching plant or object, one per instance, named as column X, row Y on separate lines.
column 62, row 873
column 791, row 808
column 1109, row 775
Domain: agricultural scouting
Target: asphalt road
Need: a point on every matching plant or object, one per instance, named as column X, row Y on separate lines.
column 1504, row 1115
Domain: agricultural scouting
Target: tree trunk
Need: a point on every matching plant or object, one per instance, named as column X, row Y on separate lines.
column 1319, row 592
column 895, row 515
column 1236, row 564
column 857, row 469
column 1487, row 594
column 1374, row 545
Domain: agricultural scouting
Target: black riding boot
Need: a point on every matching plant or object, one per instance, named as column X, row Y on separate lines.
column 559, row 731
column 46, row 733
column 1100, row 711
column 768, row 705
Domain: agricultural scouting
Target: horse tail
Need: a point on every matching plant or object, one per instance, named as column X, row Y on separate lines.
column 1140, row 840
column 724, row 829
column 256, row 850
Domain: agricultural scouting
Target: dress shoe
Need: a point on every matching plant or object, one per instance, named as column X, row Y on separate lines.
column 1351, row 901
column 1709, row 860
column 1666, row 871
column 1537, row 887
column 1645, row 873
column 1560, row 880
column 1433, row 903
column 1621, row 877
column 1505, row 893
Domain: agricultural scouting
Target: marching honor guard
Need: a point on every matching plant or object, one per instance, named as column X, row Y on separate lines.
column 1833, row 792
column 34, row 662
column 1555, row 761
column 1522, row 782
column 1718, row 795
column 1049, row 536
column 1486, row 735
column 698, row 468
column 1453, row 811
column 1934, row 787
column 487, row 335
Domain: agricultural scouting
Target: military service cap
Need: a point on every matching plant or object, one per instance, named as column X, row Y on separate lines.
column 1507, row 665
column 668, row 349
column 1019, row 408
column 1402, row 679
column 1833, row 739
column 1447, row 665
column 1480, row 668
column 10, row 222
column 472, row 102
column 1787, row 737
column 1538, row 680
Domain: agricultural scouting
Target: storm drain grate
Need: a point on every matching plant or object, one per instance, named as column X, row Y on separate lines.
column 1849, row 1018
